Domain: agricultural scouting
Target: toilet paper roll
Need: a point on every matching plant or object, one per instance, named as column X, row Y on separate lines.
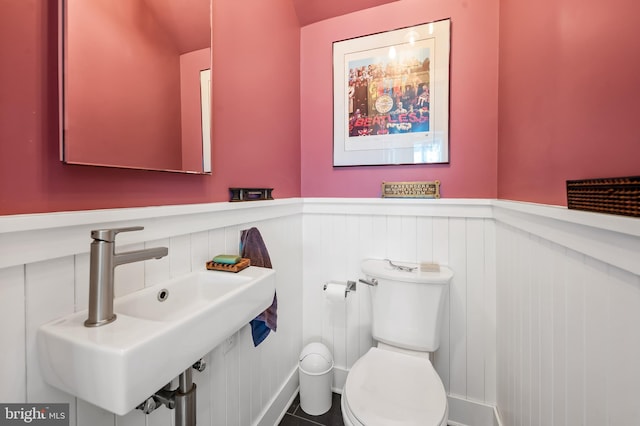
column 335, row 304
column 335, row 292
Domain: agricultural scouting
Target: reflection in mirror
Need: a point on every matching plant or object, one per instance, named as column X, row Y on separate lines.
column 133, row 93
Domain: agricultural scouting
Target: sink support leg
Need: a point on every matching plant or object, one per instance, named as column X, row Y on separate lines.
column 185, row 398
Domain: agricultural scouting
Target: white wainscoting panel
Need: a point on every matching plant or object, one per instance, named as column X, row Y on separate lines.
column 539, row 320
column 568, row 350
column 12, row 332
column 338, row 235
column 242, row 385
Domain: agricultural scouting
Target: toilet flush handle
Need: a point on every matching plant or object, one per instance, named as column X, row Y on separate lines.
column 372, row 283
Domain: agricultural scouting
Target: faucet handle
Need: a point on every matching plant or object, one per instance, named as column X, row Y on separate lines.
column 109, row 235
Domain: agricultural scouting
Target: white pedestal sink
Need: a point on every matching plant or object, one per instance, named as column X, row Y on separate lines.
column 117, row 366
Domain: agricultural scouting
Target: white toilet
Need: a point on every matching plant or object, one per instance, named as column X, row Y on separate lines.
column 395, row 384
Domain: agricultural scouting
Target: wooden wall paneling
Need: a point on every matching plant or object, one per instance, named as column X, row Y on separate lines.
column 489, row 298
column 441, row 240
column 179, row 255
column 327, row 258
column 232, row 383
column 313, row 277
column 218, row 401
column 476, row 315
column 287, row 260
column 575, row 343
column 545, row 344
column 562, row 334
column 379, row 235
column 158, row 270
column 352, row 302
column 56, row 287
column 216, row 243
column 160, row 417
column 559, row 335
column 523, row 334
column 133, row 418
column 49, row 293
column 202, row 379
column 13, row 369
column 623, row 347
column 596, row 324
column 502, row 334
column 458, row 307
column 256, row 392
column 366, row 248
column 507, row 322
column 401, row 238
column 336, row 249
column 199, row 250
column 424, row 239
column 440, row 254
column 535, row 342
column 81, row 281
column 244, row 378
column 87, row 413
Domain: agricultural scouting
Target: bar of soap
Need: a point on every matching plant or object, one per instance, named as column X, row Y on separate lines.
column 227, row 259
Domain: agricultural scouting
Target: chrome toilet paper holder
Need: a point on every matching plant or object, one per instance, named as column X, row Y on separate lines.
column 351, row 286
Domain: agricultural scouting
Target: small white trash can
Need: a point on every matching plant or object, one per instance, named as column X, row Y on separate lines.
column 316, row 375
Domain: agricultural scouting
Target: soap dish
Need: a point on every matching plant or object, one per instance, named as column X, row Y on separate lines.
column 237, row 267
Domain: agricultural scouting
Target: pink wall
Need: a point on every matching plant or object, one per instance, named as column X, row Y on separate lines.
column 255, row 129
column 313, row 11
column 567, row 105
column 472, row 171
column 569, row 95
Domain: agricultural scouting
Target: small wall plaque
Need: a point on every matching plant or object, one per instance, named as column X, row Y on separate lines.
column 411, row 189
column 250, row 194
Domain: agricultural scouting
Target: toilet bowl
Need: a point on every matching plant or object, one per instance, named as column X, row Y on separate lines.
column 389, row 388
column 395, row 384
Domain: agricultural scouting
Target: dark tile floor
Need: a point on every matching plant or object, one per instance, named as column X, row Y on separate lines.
column 296, row 417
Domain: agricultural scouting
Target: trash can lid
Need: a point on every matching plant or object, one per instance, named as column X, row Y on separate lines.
column 316, row 358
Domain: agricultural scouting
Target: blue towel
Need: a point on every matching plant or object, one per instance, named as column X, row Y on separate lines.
column 252, row 247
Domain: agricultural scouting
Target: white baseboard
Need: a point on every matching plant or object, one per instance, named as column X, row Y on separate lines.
column 277, row 407
column 339, row 379
column 463, row 412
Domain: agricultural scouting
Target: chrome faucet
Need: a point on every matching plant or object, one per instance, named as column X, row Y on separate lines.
column 102, row 264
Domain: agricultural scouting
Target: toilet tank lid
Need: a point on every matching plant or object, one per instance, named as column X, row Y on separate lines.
column 381, row 268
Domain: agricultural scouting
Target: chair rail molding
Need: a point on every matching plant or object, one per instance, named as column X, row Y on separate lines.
column 35, row 237
column 612, row 239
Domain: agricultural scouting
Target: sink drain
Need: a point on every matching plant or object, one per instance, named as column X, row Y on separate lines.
column 163, row 295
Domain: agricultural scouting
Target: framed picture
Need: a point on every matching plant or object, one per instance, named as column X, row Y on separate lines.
column 391, row 97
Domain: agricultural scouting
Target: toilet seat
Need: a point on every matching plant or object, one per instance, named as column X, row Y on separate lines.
column 387, row 388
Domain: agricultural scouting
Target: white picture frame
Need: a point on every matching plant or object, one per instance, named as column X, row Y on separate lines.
column 391, row 97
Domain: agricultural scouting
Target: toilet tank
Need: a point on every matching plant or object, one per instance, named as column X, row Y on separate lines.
column 407, row 305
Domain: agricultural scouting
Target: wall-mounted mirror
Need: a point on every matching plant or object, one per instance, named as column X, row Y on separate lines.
column 135, row 84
